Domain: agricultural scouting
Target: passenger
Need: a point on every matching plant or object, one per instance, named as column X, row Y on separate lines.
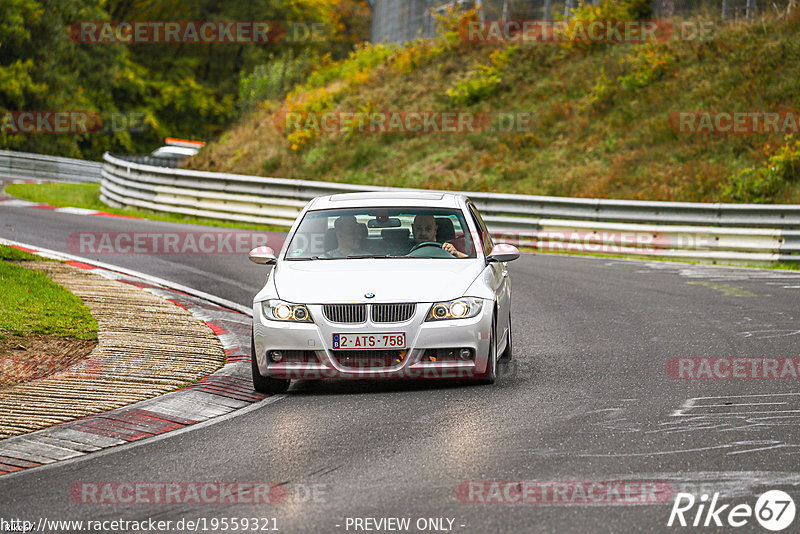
column 348, row 238
column 424, row 230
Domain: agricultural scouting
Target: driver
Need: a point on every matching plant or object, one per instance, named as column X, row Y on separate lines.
column 424, row 230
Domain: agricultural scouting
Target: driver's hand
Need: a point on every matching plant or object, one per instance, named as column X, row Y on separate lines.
column 448, row 247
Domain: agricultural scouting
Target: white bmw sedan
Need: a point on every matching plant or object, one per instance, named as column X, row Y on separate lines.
column 383, row 285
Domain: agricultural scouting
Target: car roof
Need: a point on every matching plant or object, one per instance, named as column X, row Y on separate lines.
column 388, row 199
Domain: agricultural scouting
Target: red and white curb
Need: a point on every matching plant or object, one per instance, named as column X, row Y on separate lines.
column 19, row 203
column 225, row 391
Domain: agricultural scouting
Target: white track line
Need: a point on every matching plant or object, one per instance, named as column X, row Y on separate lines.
column 154, row 279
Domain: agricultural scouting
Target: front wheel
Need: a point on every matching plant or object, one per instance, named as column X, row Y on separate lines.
column 490, row 374
column 265, row 384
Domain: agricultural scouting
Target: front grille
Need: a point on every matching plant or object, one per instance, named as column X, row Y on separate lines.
column 392, row 313
column 380, row 313
column 345, row 313
column 368, row 359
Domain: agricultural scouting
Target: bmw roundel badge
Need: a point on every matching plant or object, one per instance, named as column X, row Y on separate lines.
column 369, row 295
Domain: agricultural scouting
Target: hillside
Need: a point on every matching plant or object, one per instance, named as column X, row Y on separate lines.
column 605, row 117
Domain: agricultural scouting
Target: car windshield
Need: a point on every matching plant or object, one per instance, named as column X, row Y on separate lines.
column 381, row 233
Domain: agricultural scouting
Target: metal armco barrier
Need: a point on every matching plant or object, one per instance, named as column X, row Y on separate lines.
column 23, row 165
column 738, row 233
column 743, row 233
column 745, row 245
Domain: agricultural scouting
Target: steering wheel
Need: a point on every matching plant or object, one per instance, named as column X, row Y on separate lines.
column 425, row 244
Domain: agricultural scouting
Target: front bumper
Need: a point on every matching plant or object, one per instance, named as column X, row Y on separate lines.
column 421, row 336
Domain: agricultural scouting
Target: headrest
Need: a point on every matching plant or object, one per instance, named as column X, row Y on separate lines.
column 445, row 231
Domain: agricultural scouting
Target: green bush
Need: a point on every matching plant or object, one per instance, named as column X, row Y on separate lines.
column 483, row 81
column 273, row 80
column 764, row 184
column 650, row 62
column 605, row 10
column 786, row 160
column 600, row 96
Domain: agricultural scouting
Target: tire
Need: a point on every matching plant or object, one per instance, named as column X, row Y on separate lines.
column 490, row 375
column 508, row 354
column 265, row 384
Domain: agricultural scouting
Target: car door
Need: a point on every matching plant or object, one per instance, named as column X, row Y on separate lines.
column 498, row 274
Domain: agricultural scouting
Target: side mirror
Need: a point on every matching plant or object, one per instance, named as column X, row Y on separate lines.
column 503, row 253
column 263, row 256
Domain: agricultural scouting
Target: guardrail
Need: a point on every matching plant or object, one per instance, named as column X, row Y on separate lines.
column 24, row 165
column 743, row 233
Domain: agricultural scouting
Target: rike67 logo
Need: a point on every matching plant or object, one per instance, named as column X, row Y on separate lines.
column 774, row 510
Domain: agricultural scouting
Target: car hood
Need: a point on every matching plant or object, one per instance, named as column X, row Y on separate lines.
column 391, row 280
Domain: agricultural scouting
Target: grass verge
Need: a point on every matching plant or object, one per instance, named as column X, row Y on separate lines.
column 15, row 254
column 31, row 303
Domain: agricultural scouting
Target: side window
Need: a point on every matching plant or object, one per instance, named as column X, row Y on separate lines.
column 486, row 239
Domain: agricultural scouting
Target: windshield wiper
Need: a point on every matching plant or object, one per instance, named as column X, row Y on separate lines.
column 367, row 256
column 351, row 257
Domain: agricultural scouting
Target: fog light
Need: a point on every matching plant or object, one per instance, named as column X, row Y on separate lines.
column 465, row 354
column 275, row 355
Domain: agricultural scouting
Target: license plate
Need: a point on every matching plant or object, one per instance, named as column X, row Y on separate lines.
column 391, row 340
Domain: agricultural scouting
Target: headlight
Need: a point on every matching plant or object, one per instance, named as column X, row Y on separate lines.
column 462, row 308
column 278, row 310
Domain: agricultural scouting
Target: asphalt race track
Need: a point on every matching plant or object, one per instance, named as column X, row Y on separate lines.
column 588, row 397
